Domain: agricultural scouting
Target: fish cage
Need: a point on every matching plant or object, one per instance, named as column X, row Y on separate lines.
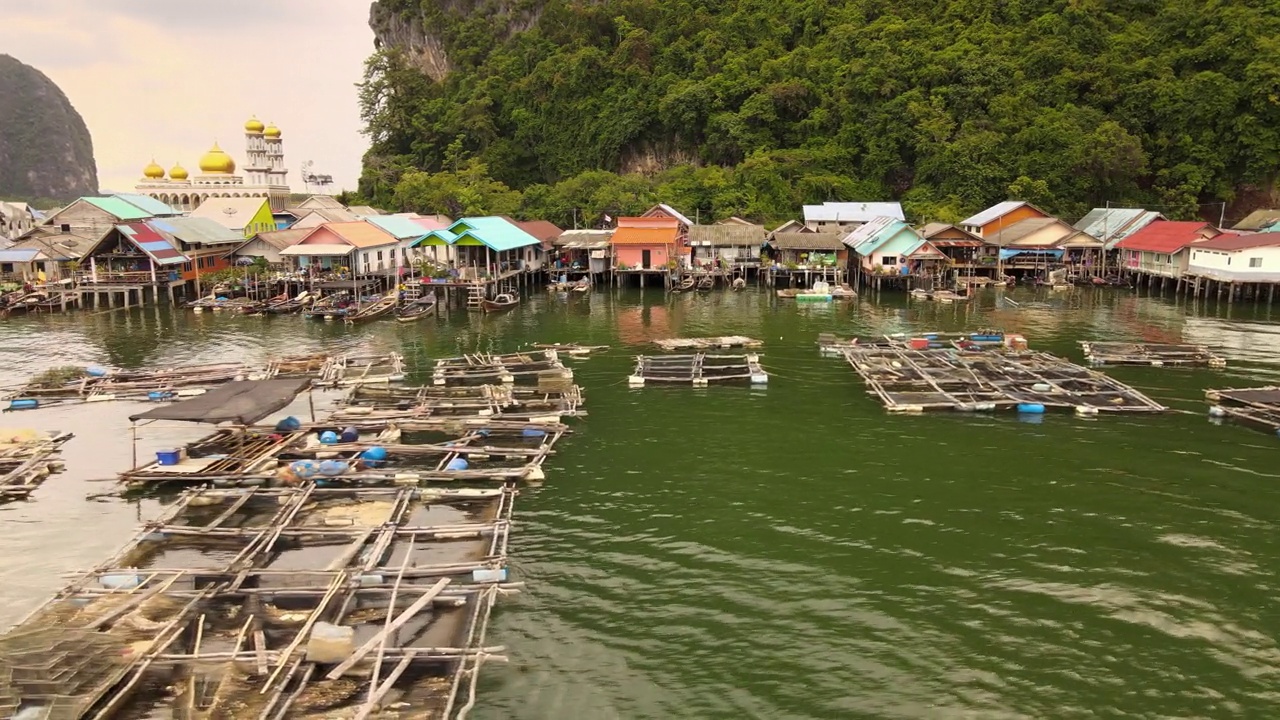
column 698, row 369
column 400, row 403
column 27, row 459
column 541, row 367
column 1258, row 407
column 708, row 343
column 1153, row 354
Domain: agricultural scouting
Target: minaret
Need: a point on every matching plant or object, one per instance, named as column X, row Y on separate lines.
column 277, row 175
column 257, row 165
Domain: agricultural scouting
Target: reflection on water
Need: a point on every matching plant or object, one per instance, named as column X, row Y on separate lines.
column 797, row 552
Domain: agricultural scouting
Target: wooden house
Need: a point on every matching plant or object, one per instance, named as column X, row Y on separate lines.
column 648, row 243
column 487, row 247
column 578, row 252
column 361, row 247
column 809, row 249
column 962, row 248
column 546, row 233
column 1161, row 248
column 315, row 217
column 999, row 216
column 267, row 245
column 206, row 245
column 67, row 236
column 848, row 215
column 1032, row 243
column 888, row 246
column 1259, row 221
column 1246, row 257
column 729, row 245
column 21, row 265
column 247, row 216
column 16, row 218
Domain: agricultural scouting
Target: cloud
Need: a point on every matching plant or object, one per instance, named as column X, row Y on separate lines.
column 165, row 79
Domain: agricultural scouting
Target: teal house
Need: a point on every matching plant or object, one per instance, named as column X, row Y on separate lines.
column 486, row 246
column 890, row 246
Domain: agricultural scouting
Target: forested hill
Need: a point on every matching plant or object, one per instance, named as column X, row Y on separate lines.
column 942, row 103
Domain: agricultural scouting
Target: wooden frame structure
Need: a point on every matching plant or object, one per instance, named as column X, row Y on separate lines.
column 233, row 598
column 542, row 367
column 912, row 381
column 699, row 369
column 1154, row 354
column 26, row 464
column 1257, row 406
column 708, row 343
column 396, row 403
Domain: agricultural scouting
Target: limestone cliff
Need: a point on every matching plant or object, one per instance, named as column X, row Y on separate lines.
column 45, row 148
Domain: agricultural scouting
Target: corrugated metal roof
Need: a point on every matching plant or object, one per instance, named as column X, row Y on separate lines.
column 676, row 214
column 1165, row 236
column 436, row 237
column 874, row 233
column 929, row 231
column 543, row 230
column 358, row 234
column 120, row 209
column 645, row 236
column 992, row 213
column 721, row 235
column 196, row 230
column 1111, row 225
column 648, row 222
column 1258, row 219
column 1015, row 233
column 19, row 256
column 820, row 241
column 156, row 246
column 281, row 239
column 1241, row 242
column 398, row 226
column 365, row 211
column 852, row 212
column 494, row 232
column 233, row 213
column 147, row 204
column 583, row 238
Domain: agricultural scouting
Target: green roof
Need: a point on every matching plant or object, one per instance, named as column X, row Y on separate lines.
column 149, row 204
column 122, row 209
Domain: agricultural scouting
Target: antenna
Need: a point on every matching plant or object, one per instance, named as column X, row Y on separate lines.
column 321, row 181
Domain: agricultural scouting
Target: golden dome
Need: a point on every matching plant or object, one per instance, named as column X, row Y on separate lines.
column 217, row 162
column 253, row 126
column 178, row 172
column 272, row 131
column 153, row 171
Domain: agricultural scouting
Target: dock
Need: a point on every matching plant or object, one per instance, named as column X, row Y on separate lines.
column 906, row 380
column 1153, row 354
column 1258, row 406
column 27, row 459
column 708, row 343
column 698, row 370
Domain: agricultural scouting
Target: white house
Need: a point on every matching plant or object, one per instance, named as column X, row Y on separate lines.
column 848, row 215
column 1237, row 258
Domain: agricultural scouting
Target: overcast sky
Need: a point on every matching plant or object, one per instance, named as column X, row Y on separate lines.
column 166, row 78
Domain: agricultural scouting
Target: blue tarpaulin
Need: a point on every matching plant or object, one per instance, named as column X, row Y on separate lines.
column 1006, row 253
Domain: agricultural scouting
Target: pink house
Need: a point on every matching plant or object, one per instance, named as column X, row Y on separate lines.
column 647, row 243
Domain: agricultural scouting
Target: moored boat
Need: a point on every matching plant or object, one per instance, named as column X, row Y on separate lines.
column 384, row 305
column 501, row 301
column 423, row 307
column 685, row 285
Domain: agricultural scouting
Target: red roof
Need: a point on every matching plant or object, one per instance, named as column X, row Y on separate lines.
column 648, row 222
column 1164, row 236
column 1241, row 242
column 645, row 236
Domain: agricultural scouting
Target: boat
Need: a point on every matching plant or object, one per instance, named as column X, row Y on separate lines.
column 386, row 304
column 581, row 286
column 501, row 301
column 289, row 306
column 706, row 283
column 685, row 285
column 738, row 284
column 423, row 307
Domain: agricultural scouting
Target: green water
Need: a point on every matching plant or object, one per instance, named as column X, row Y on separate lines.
column 794, row 552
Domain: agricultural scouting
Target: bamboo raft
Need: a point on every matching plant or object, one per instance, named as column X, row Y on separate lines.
column 1259, row 406
column 699, row 369
column 350, row 370
column 979, row 340
column 274, row 604
column 708, row 343
column 542, row 367
column 26, row 462
column 394, row 403
column 1154, row 354
column 913, row 381
column 573, row 350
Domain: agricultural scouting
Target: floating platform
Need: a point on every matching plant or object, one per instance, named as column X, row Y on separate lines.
column 977, row 341
column 397, row 403
column 540, row 367
column 1259, row 406
column 941, row 296
column 573, row 350
column 708, row 343
column 913, row 381
column 298, row 602
column 27, row 459
column 1155, row 354
column 843, row 292
column 699, row 369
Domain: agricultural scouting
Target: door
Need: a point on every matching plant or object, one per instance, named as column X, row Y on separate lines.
column 646, row 257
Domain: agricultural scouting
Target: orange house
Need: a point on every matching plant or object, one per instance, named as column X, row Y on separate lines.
column 1001, row 215
column 647, row 243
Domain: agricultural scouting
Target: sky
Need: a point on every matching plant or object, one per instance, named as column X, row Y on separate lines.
column 167, row 78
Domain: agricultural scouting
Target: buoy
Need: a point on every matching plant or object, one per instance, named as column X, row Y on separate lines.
column 1031, row 408
column 95, row 371
column 349, row 435
column 1217, row 411
column 332, row 468
column 1086, row 410
column 1042, row 387
column 328, row 437
column 374, row 456
column 24, row 404
column 457, row 464
column 304, row 469
column 289, row 424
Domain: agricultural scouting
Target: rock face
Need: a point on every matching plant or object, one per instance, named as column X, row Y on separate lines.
column 45, row 148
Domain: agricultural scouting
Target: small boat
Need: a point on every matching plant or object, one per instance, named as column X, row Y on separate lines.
column 706, row 283
column 738, row 284
column 289, row 306
column 386, row 304
column 501, row 301
column 685, row 285
column 423, row 307
column 581, row 286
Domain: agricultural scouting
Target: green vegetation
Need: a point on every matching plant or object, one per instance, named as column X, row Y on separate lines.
column 753, row 108
column 45, row 150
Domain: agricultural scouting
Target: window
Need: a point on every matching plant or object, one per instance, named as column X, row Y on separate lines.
column 379, row 256
column 366, row 260
column 889, row 260
column 1255, row 262
column 65, row 227
column 6, row 267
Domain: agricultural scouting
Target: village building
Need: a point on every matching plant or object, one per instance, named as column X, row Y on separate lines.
column 361, row 247
column 315, row 217
column 21, row 265
column 265, row 174
column 1160, row 250
column 406, row 232
column 489, row 248
column 848, row 215
column 1000, row 216
column 642, row 244
column 1111, row 225
column 66, row 236
column 247, row 216
column 728, row 246
column 16, row 218
column 963, row 249
column 546, row 233
column 581, row 252
column 1031, row 244
column 1245, row 258
column 806, row 257
column 888, row 246
column 1260, row 221
column 267, row 245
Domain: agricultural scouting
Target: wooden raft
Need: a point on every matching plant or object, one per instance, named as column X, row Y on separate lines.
column 1155, row 354
column 699, row 369
column 1258, row 406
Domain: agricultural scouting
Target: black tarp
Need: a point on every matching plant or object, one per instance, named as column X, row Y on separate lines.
column 244, row 402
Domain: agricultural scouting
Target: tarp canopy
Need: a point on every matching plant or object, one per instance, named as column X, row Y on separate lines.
column 244, row 402
column 1006, row 253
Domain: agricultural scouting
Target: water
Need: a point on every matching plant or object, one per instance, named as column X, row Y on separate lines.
column 794, row 552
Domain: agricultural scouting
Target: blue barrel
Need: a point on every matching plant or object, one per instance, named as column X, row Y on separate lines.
column 328, row 437
column 304, row 469
column 332, row 468
column 159, row 395
column 289, row 424
column 349, row 435
column 168, row 457
column 457, row 464
column 1031, row 408
column 533, row 433
column 95, row 371
column 374, row 456
column 483, row 432
column 24, row 404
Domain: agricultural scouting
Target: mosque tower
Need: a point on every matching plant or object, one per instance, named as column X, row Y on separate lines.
column 275, row 156
column 257, row 165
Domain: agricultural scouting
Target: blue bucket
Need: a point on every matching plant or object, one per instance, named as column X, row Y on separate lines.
column 168, row 457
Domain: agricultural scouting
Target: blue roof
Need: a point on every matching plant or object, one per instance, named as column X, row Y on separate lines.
column 402, row 228
column 496, row 233
column 876, row 233
column 20, row 255
column 148, row 204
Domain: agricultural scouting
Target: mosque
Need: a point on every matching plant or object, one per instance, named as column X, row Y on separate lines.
column 264, row 174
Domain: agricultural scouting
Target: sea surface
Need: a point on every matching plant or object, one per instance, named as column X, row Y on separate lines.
column 793, row 551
